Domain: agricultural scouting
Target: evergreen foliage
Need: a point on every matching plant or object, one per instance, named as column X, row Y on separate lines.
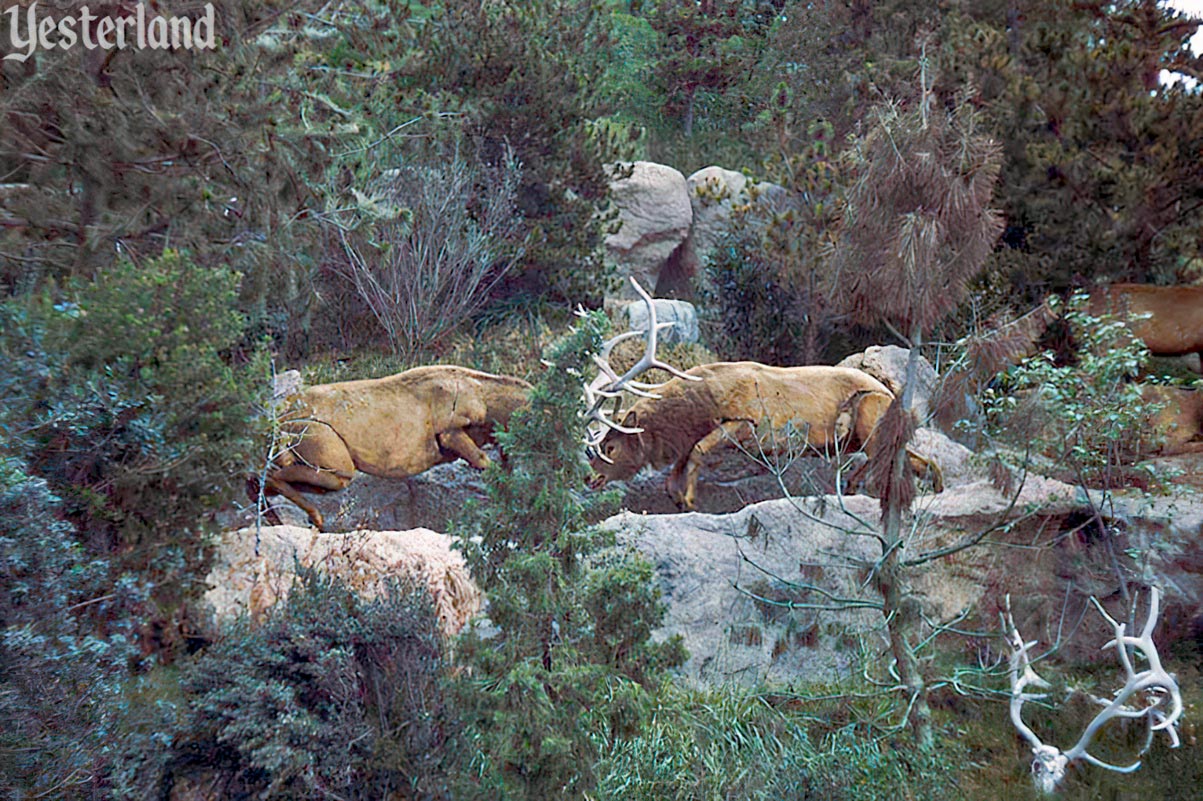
column 105, row 156
column 760, row 316
column 125, row 399
column 522, row 75
column 131, row 372
column 917, row 229
column 1098, row 182
column 66, row 637
column 570, row 660
column 702, row 49
column 330, row 695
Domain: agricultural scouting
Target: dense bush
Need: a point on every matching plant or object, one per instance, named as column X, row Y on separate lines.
column 427, row 243
column 65, row 645
column 1089, row 418
column 131, row 396
column 329, row 696
column 570, row 661
column 757, row 314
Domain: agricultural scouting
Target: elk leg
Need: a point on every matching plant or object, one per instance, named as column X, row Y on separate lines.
column 276, row 487
column 869, row 411
column 282, row 481
column 682, row 482
column 320, row 462
column 458, row 442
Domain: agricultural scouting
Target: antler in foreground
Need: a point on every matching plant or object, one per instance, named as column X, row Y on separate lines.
column 1148, row 689
column 609, row 385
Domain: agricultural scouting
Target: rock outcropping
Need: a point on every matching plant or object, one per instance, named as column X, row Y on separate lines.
column 254, row 569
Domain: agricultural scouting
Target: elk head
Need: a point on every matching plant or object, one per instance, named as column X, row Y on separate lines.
column 615, row 450
column 1152, row 694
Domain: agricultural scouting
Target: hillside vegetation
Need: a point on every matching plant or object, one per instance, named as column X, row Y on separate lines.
column 357, row 187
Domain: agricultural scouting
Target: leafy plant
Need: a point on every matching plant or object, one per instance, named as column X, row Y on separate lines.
column 125, row 396
column 759, row 315
column 1090, row 416
column 65, row 645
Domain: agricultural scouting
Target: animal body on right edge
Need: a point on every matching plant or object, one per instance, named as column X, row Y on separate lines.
column 835, row 408
column 1169, row 318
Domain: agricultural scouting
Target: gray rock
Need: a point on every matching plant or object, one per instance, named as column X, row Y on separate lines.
column 718, row 197
column 655, row 216
column 887, row 363
column 680, row 313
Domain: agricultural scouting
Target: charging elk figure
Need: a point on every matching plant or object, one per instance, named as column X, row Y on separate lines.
column 681, row 420
column 392, row 427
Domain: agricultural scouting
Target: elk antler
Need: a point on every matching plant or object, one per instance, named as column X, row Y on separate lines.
column 608, row 384
column 1152, row 686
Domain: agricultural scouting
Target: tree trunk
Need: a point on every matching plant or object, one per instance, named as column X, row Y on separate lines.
column 901, row 611
column 687, row 125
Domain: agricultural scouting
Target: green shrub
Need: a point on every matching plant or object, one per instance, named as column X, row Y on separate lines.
column 125, row 394
column 65, row 646
column 1089, row 418
column 329, row 696
column 758, row 315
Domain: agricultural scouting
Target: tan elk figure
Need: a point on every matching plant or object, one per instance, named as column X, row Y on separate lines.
column 392, row 427
column 1169, row 319
column 681, row 420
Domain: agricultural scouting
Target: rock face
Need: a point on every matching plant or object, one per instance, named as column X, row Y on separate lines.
column 887, row 363
column 246, row 578
column 655, row 216
column 751, row 591
column 715, row 195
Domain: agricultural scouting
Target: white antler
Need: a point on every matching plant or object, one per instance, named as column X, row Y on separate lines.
column 1150, row 687
column 608, row 384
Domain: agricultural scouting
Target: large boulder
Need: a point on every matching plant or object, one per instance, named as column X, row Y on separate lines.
column 654, row 215
column 254, row 568
column 887, row 363
column 754, row 592
column 751, row 592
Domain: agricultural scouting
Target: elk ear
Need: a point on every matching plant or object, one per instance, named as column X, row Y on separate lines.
column 631, row 420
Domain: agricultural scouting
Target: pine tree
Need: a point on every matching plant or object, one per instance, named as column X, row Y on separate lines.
column 522, row 76
column 1099, row 180
column 570, row 660
column 917, row 228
